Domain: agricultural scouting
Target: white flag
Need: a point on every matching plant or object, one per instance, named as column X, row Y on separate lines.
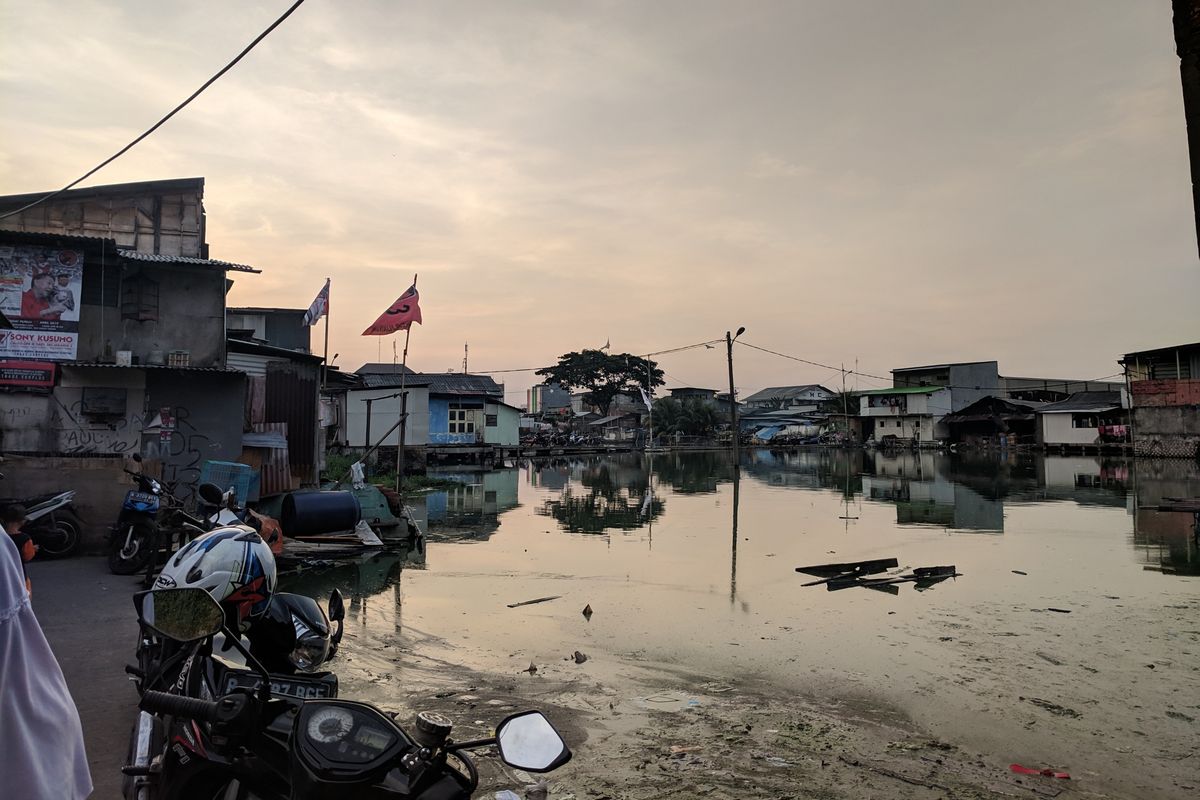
column 319, row 307
column 645, row 399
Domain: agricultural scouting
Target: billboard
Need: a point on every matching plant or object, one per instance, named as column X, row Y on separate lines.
column 41, row 290
column 27, row 374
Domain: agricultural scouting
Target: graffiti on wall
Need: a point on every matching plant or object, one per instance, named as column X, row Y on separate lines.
column 179, row 445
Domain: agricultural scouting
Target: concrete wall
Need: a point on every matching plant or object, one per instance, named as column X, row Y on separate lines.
column 1057, row 429
column 191, row 316
column 99, row 486
column 384, row 413
column 1168, row 432
column 207, row 410
column 965, row 377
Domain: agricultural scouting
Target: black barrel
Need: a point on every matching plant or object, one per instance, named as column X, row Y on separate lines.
column 317, row 513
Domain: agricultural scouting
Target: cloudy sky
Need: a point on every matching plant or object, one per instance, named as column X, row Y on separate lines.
column 882, row 183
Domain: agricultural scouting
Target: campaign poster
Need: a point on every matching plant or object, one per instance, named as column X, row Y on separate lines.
column 41, row 290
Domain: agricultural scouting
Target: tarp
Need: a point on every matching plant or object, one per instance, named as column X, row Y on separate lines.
column 766, row 434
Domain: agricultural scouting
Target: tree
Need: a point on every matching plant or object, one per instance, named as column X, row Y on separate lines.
column 603, row 376
column 692, row 417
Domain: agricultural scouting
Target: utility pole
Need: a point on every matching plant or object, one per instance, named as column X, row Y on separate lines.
column 733, row 420
column 464, row 358
column 1187, row 45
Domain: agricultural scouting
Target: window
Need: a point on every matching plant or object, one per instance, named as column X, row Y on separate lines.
column 461, row 421
column 489, row 497
column 491, row 420
column 1084, row 421
column 139, row 298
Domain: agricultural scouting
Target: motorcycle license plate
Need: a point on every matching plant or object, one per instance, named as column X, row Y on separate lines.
column 141, row 498
column 300, row 688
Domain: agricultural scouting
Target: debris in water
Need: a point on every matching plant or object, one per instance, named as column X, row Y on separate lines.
column 580, row 657
column 847, row 571
column 587, row 612
column 1019, row 572
column 1048, row 773
column 1060, row 610
column 531, row 669
column 537, row 600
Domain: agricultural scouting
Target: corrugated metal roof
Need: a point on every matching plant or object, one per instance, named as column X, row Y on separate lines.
column 384, row 369
column 92, row 364
column 372, row 381
column 903, row 390
column 783, row 392
column 1084, row 402
column 162, row 258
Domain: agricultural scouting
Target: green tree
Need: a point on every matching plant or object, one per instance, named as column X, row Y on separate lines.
column 692, row 417
column 603, row 376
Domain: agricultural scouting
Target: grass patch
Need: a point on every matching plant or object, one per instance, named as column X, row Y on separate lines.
column 337, row 467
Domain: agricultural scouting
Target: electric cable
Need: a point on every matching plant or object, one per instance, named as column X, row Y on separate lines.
column 160, row 123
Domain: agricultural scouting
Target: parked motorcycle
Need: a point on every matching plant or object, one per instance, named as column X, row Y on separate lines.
column 293, row 637
column 51, row 522
column 133, row 540
column 251, row 743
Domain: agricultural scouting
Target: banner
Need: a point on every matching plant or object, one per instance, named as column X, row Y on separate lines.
column 41, row 290
column 27, row 374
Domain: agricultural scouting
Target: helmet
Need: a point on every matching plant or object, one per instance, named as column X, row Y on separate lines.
column 233, row 564
column 294, row 634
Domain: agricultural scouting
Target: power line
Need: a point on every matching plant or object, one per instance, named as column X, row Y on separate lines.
column 1045, row 385
column 159, row 124
column 644, row 355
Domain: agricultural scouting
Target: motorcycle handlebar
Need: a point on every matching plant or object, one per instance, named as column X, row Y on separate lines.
column 179, row 706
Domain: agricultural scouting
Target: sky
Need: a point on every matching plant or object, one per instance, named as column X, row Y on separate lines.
column 878, row 184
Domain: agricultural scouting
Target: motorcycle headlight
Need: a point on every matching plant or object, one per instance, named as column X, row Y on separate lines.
column 311, row 650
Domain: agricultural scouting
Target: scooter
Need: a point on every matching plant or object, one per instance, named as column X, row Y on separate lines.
column 249, row 742
column 51, row 522
column 133, row 541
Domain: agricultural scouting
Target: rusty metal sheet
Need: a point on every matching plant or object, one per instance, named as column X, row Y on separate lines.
column 275, row 473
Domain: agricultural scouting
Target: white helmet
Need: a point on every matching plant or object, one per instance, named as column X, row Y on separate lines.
column 233, row 564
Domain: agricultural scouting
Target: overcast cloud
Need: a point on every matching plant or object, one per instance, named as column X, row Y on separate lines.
column 887, row 183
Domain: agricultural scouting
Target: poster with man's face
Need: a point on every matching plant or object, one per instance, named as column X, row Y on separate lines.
column 40, row 292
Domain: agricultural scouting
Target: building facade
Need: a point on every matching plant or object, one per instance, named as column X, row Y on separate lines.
column 1164, row 389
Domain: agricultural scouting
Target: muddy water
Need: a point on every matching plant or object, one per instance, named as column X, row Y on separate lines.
column 1072, row 636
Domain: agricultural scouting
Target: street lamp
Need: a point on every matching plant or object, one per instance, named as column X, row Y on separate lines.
column 733, row 420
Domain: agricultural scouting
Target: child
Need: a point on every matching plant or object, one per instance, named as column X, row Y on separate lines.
column 13, row 518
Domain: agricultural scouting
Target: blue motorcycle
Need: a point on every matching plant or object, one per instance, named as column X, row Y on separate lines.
column 133, row 540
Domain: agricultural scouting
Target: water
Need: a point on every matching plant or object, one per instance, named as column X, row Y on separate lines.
column 685, row 561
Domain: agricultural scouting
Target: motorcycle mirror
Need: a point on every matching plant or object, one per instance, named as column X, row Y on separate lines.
column 528, row 741
column 185, row 615
column 137, row 457
column 337, row 606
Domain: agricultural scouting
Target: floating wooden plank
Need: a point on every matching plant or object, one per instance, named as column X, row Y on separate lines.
column 537, row 600
column 847, row 571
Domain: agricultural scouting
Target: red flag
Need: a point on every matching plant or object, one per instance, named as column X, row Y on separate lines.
column 400, row 316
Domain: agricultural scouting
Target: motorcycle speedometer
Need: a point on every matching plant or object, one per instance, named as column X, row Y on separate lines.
column 329, row 724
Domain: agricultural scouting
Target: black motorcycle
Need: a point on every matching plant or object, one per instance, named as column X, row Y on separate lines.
column 251, row 743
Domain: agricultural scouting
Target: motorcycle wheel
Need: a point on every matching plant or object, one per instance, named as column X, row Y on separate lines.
column 126, row 559
column 61, row 538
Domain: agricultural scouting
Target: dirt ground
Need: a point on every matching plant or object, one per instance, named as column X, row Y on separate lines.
column 644, row 730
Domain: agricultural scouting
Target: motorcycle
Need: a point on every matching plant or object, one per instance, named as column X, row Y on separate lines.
column 293, row 636
column 133, row 541
column 51, row 522
column 251, row 743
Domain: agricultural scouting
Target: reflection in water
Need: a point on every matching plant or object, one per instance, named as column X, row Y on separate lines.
column 602, row 494
column 626, row 492
column 470, row 510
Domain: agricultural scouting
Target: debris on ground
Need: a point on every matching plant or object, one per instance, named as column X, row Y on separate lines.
column 1047, row 773
column 1019, row 572
column 534, row 601
column 587, row 612
column 531, row 669
column 836, row 577
column 580, row 657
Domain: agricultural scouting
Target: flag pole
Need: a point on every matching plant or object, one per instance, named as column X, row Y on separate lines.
column 325, row 362
column 403, row 409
